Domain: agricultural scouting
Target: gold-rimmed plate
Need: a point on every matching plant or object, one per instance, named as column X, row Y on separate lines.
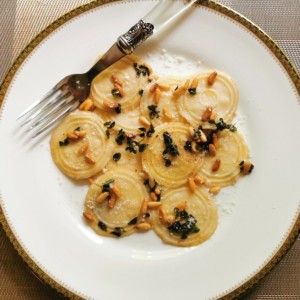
column 259, row 217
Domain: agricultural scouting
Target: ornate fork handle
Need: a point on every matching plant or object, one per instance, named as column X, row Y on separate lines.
column 135, row 36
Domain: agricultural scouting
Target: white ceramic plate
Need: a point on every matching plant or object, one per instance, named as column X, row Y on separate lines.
column 42, row 209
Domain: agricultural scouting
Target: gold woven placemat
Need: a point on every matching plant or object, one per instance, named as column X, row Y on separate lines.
column 21, row 20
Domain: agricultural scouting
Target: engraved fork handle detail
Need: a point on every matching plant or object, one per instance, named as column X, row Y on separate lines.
column 135, row 36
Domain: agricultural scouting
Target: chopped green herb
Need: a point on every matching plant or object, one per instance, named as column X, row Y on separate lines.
column 171, row 148
column 133, row 221
column 204, row 146
column 116, row 93
column 134, row 146
column 118, row 231
column 116, row 156
column 153, row 112
column 118, row 109
column 192, row 91
column 143, row 130
column 221, row 125
column 168, row 162
column 142, row 147
column 110, row 124
column 141, row 92
column 141, row 70
column 65, row 142
column 176, row 212
column 150, row 131
column 102, row 226
column 77, row 129
column 106, row 186
column 188, row 146
column 120, row 137
column 184, row 225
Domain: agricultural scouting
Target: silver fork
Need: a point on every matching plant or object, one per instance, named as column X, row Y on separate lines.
column 72, row 90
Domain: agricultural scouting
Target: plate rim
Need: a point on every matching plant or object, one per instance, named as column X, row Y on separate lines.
column 223, row 10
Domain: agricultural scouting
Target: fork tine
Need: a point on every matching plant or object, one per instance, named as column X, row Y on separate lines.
column 60, row 104
column 57, row 87
column 46, row 106
column 72, row 106
column 37, row 103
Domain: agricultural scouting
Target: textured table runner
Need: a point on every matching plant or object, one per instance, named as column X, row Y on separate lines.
column 21, row 20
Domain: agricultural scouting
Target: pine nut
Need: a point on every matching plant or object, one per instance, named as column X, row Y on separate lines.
column 192, row 184
column 116, row 80
column 203, row 137
column 212, row 78
column 157, row 191
column 102, row 197
column 213, row 116
column 154, row 204
column 116, row 190
column 216, row 165
column 144, row 207
column 86, row 105
column 157, row 95
column 153, row 87
column 163, row 87
column 83, row 148
column 194, row 83
column 191, row 131
column 194, row 146
column 162, row 213
column 206, row 114
column 112, row 201
column 119, row 88
column 87, row 216
column 178, row 92
column 89, row 159
column 80, row 133
column 167, row 114
column 143, row 226
column 247, row 166
column 215, row 140
column 181, row 205
column 72, row 136
column 144, row 121
column 151, row 181
column 212, row 150
column 153, row 196
column 214, row 189
column 170, row 219
column 186, row 84
column 199, row 180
